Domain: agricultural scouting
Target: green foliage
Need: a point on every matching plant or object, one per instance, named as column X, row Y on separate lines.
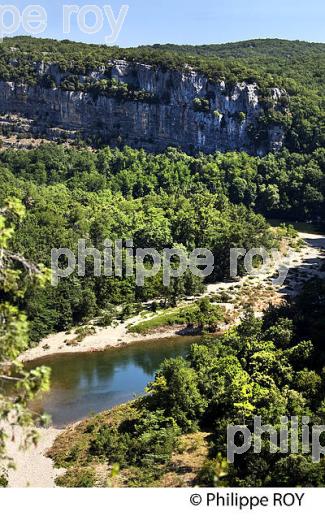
column 163, row 319
column 18, row 384
column 108, row 88
column 78, row 478
column 252, row 370
column 145, row 442
column 161, row 201
column 269, row 367
column 203, row 315
column 201, row 105
column 213, row 472
column 175, row 390
column 3, row 480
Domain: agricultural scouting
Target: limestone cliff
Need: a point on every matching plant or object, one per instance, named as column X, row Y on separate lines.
column 185, row 109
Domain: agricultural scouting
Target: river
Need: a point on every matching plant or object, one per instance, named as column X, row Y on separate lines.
column 88, row 382
column 91, row 382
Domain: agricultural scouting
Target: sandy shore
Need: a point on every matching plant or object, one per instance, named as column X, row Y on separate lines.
column 307, row 260
column 104, row 338
column 33, row 468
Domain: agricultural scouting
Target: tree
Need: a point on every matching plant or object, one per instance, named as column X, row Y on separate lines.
column 297, row 470
column 204, row 315
column 18, row 385
column 175, row 390
column 281, row 333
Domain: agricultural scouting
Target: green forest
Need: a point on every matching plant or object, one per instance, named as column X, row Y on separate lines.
column 160, row 201
column 113, row 194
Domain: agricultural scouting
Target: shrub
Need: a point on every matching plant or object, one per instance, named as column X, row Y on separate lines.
column 3, row 480
column 105, row 320
column 201, row 105
column 77, row 478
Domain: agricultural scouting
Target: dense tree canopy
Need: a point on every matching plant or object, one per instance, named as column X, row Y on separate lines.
column 159, row 201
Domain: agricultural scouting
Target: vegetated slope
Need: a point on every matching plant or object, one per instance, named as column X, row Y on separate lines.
column 302, row 61
column 68, row 198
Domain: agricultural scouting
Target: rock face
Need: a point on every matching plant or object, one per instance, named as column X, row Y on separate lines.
column 224, row 121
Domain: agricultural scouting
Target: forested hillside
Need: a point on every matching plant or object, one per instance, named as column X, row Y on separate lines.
column 157, row 200
column 294, row 60
column 72, row 194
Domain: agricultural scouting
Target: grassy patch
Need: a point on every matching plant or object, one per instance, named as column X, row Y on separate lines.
column 167, row 318
column 78, row 478
column 201, row 315
column 81, row 334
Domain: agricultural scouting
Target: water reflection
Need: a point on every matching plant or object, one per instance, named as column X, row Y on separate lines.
column 91, row 382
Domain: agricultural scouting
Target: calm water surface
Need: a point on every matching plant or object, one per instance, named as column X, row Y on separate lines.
column 91, row 382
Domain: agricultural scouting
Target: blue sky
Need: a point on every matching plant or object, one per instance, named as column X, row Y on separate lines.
column 194, row 22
